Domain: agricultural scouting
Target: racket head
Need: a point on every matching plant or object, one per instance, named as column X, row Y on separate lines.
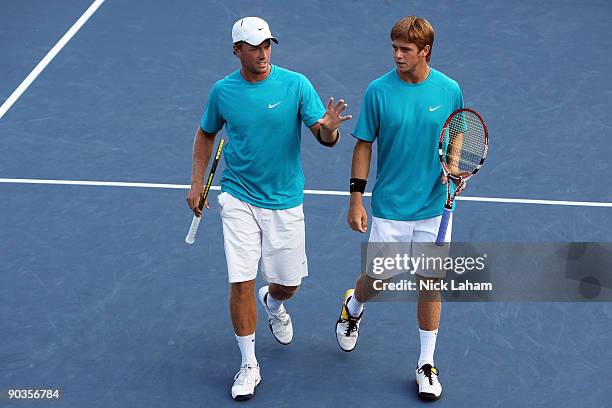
column 464, row 142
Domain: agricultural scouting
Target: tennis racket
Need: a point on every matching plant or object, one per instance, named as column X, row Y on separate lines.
column 193, row 229
column 463, row 148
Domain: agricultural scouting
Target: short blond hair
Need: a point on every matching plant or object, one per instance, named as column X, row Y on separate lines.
column 414, row 30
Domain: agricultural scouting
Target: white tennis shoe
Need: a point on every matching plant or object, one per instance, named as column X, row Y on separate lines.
column 245, row 381
column 430, row 388
column 280, row 323
column 347, row 326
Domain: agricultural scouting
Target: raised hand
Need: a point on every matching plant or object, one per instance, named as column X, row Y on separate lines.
column 332, row 118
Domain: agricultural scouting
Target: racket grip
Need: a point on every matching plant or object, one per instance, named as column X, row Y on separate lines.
column 443, row 226
column 193, row 230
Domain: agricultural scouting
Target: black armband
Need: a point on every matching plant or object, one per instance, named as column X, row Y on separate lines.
column 358, row 185
column 323, row 142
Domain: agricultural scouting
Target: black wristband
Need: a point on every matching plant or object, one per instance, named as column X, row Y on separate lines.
column 358, row 185
column 323, row 142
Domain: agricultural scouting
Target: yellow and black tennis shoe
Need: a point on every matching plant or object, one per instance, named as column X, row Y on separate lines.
column 430, row 388
column 347, row 326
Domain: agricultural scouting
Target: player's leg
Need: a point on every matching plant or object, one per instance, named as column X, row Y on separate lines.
column 244, row 318
column 272, row 298
column 429, row 305
column 283, row 265
column 280, row 293
column 429, row 309
column 242, row 243
column 347, row 325
column 243, row 310
column 365, row 290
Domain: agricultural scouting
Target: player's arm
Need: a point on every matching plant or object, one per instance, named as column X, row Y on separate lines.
column 360, row 167
column 202, row 150
column 326, row 128
column 453, row 156
column 453, row 153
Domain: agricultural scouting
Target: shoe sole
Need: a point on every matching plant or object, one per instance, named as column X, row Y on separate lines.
column 246, row 397
column 274, row 335
column 243, row 397
column 428, row 396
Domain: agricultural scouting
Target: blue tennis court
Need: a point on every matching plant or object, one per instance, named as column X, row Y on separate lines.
column 101, row 298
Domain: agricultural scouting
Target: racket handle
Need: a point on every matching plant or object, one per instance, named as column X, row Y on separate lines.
column 443, row 226
column 193, row 230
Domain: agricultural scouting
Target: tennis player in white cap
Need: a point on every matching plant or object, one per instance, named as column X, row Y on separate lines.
column 262, row 107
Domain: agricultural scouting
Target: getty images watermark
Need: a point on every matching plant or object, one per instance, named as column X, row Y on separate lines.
column 383, row 268
column 533, row 272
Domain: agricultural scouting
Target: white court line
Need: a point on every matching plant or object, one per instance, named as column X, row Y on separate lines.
column 47, row 59
column 97, row 183
column 313, row 192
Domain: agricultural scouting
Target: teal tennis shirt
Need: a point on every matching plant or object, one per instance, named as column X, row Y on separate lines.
column 263, row 121
column 406, row 120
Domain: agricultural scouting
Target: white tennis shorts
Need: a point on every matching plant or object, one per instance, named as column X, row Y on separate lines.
column 411, row 233
column 276, row 238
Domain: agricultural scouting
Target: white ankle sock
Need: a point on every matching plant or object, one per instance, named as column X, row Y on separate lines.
column 428, row 346
column 247, row 348
column 273, row 304
column 354, row 307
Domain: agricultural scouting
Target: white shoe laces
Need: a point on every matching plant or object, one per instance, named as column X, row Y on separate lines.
column 280, row 320
column 245, row 375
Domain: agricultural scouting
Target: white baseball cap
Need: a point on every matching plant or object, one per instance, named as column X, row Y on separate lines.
column 252, row 30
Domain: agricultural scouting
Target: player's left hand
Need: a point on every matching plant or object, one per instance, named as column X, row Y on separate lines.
column 459, row 185
column 332, row 118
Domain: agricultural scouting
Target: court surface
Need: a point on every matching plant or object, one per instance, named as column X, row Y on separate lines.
column 101, row 298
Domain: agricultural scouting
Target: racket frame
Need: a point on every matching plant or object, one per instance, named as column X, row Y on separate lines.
column 195, row 222
column 459, row 181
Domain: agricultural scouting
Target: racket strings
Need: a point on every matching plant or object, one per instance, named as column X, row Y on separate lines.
column 464, row 143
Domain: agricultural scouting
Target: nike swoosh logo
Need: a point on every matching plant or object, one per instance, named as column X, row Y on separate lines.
column 433, row 109
column 270, row 106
